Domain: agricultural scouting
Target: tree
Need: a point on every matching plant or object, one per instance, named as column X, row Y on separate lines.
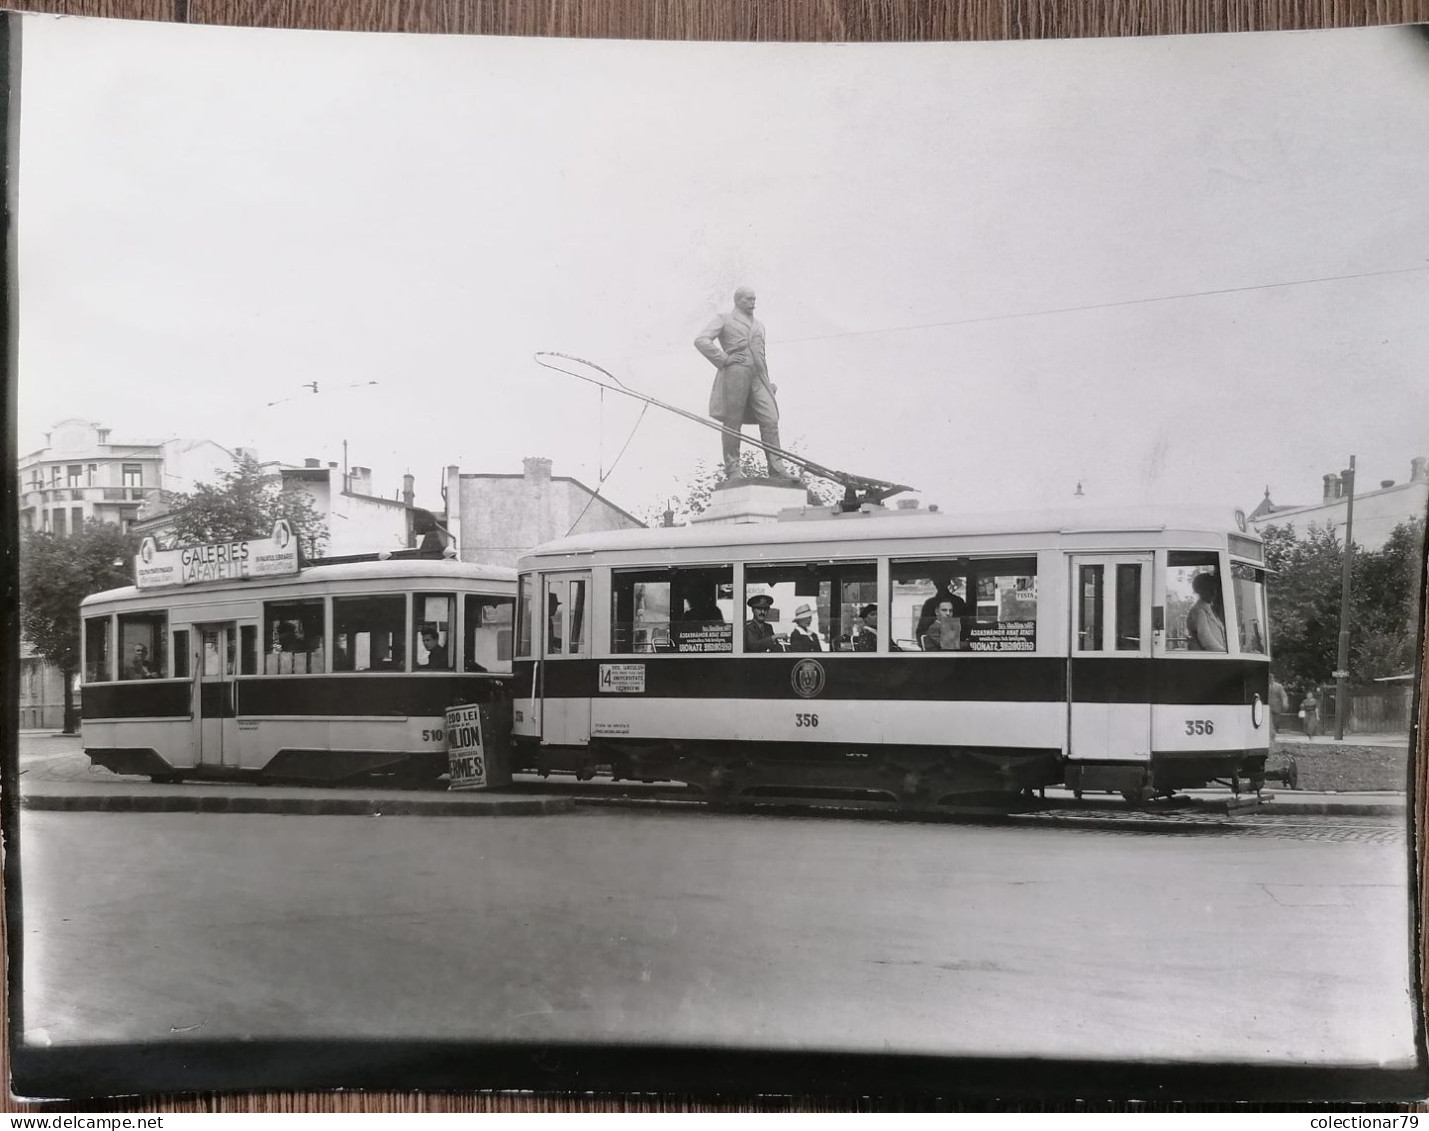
column 1305, row 604
column 244, row 503
column 693, row 494
column 56, row 573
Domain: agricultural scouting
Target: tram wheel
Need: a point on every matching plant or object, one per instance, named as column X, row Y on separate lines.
column 166, row 779
column 1136, row 796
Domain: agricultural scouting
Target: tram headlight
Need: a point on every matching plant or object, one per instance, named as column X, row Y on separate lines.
column 1257, row 711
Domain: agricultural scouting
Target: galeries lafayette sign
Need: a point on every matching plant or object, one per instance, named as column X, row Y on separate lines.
column 274, row 556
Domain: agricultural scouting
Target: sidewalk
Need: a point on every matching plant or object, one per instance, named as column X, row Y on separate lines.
column 136, row 795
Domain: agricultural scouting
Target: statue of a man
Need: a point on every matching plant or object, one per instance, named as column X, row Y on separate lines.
column 742, row 393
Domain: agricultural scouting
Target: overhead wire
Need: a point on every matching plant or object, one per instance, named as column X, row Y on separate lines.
column 1098, row 305
column 613, row 464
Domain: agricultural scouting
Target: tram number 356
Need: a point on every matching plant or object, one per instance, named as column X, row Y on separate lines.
column 806, row 720
column 1200, row 726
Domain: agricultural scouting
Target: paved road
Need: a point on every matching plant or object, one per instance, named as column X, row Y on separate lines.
column 713, row 928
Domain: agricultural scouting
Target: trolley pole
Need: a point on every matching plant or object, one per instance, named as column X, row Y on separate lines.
column 1342, row 673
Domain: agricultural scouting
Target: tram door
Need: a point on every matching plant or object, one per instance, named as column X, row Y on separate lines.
column 217, row 713
column 567, row 684
column 1109, row 678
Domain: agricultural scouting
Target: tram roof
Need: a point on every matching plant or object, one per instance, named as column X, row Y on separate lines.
column 819, row 525
column 409, row 569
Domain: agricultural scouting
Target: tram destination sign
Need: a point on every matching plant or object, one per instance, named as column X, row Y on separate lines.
column 274, row 556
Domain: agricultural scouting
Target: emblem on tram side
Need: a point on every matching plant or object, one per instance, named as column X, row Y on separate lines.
column 807, row 678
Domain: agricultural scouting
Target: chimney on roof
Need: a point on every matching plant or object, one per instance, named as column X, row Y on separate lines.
column 538, row 470
column 312, row 463
column 1332, row 488
column 1419, row 469
column 361, row 481
column 408, row 488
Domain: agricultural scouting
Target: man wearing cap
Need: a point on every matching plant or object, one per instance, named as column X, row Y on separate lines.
column 758, row 632
column 865, row 636
column 742, row 393
column 801, row 637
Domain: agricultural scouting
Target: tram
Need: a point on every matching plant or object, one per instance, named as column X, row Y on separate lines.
column 333, row 672
column 1119, row 651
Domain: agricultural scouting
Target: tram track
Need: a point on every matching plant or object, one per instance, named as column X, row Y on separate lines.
column 1181, row 816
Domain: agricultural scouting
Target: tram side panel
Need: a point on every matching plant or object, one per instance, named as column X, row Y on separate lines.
column 911, row 726
column 317, row 728
column 1210, row 722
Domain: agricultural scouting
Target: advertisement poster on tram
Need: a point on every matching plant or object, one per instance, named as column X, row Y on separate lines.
column 834, row 561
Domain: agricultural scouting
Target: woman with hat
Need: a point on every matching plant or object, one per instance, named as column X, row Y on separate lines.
column 801, row 638
column 758, row 632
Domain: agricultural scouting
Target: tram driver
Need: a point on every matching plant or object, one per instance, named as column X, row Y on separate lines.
column 140, row 666
column 1205, row 625
column 758, row 632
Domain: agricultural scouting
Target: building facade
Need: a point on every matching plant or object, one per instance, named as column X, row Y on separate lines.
column 1377, row 510
column 497, row 518
column 358, row 522
column 81, row 474
column 42, row 692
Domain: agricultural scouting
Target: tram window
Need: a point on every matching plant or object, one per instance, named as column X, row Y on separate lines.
column 293, row 637
column 433, row 631
column 96, row 650
column 1091, row 611
column 993, row 604
column 831, row 592
column 575, row 619
column 640, row 611
column 1248, row 585
column 181, row 653
column 1182, row 569
column 143, row 645
column 488, row 633
column 248, row 649
column 1128, row 607
column 529, row 585
column 369, row 634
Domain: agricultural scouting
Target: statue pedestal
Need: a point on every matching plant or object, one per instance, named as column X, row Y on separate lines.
column 751, row 500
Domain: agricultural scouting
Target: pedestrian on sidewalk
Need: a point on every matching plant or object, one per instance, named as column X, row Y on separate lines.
column 1310, row 712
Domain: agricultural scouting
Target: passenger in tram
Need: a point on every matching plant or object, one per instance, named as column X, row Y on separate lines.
column 945, row 633
column 1205, row 626
column 801, row 637
column 865, row 634
column 758, row 632
column 944, row 592
column 436, row 653
column 703, row 609
column 140, row 667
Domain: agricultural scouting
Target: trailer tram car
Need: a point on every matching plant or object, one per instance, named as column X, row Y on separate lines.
column 340, row 672
column 1071, row 659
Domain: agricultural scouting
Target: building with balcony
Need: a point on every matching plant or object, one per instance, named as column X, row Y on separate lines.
column 1378, row 509
column 81, row 474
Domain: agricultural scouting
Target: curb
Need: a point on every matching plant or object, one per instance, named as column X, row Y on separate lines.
column 306, row 806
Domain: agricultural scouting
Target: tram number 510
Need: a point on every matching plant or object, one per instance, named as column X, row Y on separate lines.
column 1200, row 726
column 806, row 720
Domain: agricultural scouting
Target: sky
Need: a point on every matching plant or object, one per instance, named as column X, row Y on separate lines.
column 1175, row 269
